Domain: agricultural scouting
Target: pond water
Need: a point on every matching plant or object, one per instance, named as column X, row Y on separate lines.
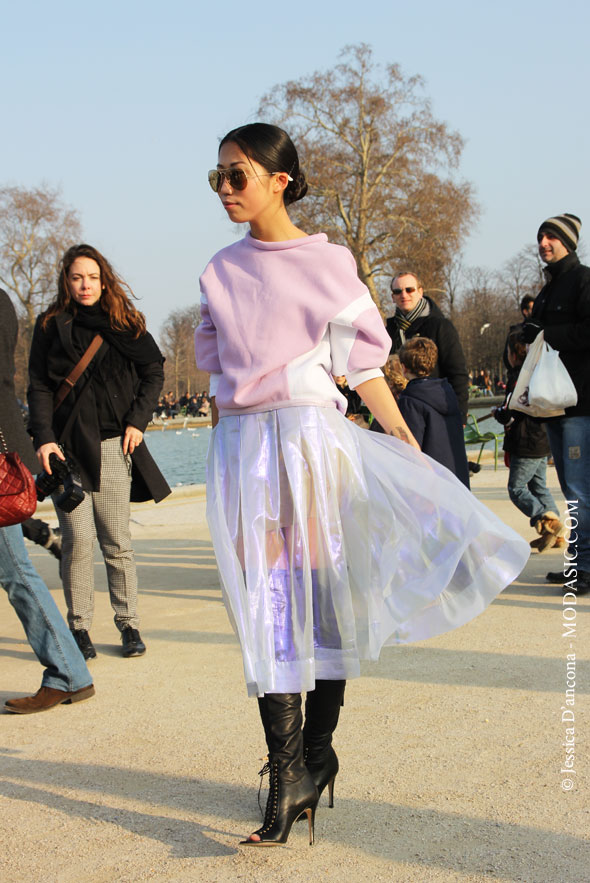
column 181, row 454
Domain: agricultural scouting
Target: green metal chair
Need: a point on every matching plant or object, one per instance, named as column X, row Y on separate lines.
column 474, row 436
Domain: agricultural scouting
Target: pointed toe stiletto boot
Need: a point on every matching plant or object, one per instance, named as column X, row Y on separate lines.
column 292, row 792
column 322, row 710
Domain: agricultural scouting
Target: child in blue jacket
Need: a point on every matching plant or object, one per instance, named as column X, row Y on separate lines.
column 431, row 409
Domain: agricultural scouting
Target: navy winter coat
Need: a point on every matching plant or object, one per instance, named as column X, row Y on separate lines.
column 430, row 408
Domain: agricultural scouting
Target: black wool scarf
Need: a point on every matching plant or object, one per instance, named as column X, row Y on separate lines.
column 141, row 350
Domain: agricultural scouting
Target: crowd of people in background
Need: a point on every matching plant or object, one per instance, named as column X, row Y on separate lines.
column 195, row 405
column 483, row 384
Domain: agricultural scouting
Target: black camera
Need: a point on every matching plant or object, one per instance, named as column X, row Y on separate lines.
column 63, row 472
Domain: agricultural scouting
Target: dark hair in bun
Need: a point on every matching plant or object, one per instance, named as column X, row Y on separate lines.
column 274, row 150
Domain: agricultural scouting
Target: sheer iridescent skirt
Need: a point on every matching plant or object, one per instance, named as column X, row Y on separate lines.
column 332, row 541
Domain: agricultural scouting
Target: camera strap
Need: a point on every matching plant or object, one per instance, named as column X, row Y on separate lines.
column 77, row 371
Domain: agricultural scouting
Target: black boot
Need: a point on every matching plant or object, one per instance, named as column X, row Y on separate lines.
column 322, row 710
column 291, row 790
column 85, row 645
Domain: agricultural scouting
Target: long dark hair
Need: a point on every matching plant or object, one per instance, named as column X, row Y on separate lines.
column 274, row 150
column 116, row 296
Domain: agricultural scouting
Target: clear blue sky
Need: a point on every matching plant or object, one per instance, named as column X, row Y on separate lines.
column 122, row 105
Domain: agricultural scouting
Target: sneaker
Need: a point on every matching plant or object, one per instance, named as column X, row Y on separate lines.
column 555, row 576
column 581, row 582
column 132, row 643
column 82, row 639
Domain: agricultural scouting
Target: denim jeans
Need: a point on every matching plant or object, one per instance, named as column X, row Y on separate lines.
column 569, row 438
column 45, row 628
column 527, row 487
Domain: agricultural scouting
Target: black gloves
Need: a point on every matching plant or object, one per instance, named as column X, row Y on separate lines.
column 530, row 331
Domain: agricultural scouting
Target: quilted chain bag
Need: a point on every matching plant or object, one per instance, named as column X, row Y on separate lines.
column 18, row 497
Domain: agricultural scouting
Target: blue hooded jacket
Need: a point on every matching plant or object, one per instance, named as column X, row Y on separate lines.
column 431, row 409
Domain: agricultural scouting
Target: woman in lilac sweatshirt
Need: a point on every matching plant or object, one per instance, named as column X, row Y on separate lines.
column 331, row 541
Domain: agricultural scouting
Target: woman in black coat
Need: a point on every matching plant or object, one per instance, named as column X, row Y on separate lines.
column 100, row 426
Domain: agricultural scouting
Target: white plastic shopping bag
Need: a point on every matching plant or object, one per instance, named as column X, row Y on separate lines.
column 521, row 396
column 551, row 386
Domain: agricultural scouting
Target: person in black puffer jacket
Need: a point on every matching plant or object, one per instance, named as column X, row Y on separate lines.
column 526, row 449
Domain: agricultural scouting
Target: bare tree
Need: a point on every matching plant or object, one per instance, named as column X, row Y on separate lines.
column 482, row 318
column 379, row 166
column 35, row 229
column 522, row 275
column 177, row 341
column 452, row 278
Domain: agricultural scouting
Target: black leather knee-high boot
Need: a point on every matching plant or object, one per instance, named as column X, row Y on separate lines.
column 322, row 710
column 292, row 791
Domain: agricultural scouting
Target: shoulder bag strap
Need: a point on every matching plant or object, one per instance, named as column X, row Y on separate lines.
column 75, row 374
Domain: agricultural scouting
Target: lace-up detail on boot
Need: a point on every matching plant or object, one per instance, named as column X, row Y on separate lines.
column 292, row 792
column 272, row 802
column 286, row 802
column 265, row 771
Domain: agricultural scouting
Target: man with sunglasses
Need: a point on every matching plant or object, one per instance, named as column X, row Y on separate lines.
column 416, row 315
column 562, row 311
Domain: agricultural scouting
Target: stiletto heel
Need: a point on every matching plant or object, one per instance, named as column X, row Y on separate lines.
column 310, row 813
column 287, row 802
column 323, row 768
column 331, row 792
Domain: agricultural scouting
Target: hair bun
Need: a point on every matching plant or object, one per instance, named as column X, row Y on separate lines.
column 296, row 189
column 274, row 150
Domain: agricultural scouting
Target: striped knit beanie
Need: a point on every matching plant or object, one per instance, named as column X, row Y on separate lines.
column 565, row 227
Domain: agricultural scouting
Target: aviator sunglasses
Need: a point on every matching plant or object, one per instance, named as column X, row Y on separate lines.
column 408, row 290
column 236, row 178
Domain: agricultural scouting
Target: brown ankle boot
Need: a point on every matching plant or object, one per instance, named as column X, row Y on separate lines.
column 550, row 523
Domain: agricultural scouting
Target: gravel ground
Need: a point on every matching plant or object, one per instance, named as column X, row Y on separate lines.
column 450, row 749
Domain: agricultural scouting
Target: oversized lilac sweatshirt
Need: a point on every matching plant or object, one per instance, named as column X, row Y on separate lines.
column 280, row 318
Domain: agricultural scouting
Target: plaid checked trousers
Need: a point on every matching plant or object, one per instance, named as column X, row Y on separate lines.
column 103, row 514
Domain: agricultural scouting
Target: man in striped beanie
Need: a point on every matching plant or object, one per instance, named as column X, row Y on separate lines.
column 563, row 228
column 562, row 311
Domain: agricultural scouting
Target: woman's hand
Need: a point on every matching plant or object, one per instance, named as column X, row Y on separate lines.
column 131, row 439
column 43, row 452
column 379, row 400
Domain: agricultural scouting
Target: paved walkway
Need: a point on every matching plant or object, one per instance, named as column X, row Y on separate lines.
column 450, row 750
